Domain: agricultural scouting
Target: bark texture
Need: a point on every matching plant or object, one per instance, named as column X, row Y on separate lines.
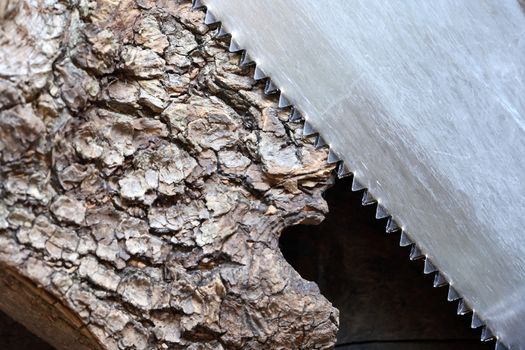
column 144, row 183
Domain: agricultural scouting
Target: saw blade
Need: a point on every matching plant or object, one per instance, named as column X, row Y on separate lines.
column 424, row 103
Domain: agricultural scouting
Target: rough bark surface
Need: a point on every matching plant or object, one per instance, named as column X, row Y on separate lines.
column 144, row 183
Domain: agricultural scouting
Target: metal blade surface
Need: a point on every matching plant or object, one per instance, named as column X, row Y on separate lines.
column 425, row 103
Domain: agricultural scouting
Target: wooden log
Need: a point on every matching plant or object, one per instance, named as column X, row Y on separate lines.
column 144, row 182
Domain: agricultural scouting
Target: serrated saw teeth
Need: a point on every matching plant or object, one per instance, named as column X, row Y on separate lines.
column 357, row 185
column 429, row 267
column 500, row 345
column 234, row 47
column 342, row 170
column 463, row 308
column 246, row 60
column 487, row 335
column 308, row 129
column 258, row 74
column 404, row 240
column 476, row 321
column 283, row 101
column 367, row 199
column 210, row 19
column 332, row 157
column 391, row 226
column 221, row 32
column 295, row 115
column 319, row 142
column 452, row 294
column 381, row 212
column 196, row 4
column 415, row 253
column 270, row 88
column 439, row 280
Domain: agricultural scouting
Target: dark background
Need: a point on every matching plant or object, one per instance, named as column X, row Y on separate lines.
column 13, row 336
column 385, row 300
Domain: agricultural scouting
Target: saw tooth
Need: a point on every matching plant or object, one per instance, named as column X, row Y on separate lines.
column 196, row 4
column 439, row 280
column 500, row 346
column 246, row 60
column 381, row 212
column 283, row 101
column 452, row 294
column 356, row 185
column 404, row 240
column 234, row 47
column 463, row 308
column 486, row 334
column 319, row 142
column 415, row 253
column 308, row 129
column 429, row 267
column 476, row 321
column 270, row 88
column 367, row 198
column 221, row 32
column 210, row 18
column 342, row 170
column 295, row 115
column 258, row 74
column 332, row 157
column 391, row 226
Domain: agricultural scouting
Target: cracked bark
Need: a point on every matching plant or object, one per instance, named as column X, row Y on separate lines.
column 144, row 182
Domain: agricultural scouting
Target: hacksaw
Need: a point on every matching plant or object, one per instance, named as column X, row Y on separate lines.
column 424, row 104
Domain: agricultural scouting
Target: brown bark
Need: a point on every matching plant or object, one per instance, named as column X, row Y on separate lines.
column 144, row 182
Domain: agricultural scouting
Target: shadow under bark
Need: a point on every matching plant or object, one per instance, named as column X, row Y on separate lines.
column 13, row 336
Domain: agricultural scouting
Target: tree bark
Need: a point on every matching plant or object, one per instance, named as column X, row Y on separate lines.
column 144, row 182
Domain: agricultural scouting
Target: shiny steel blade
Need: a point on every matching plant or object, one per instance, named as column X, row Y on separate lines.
column 424, row 102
